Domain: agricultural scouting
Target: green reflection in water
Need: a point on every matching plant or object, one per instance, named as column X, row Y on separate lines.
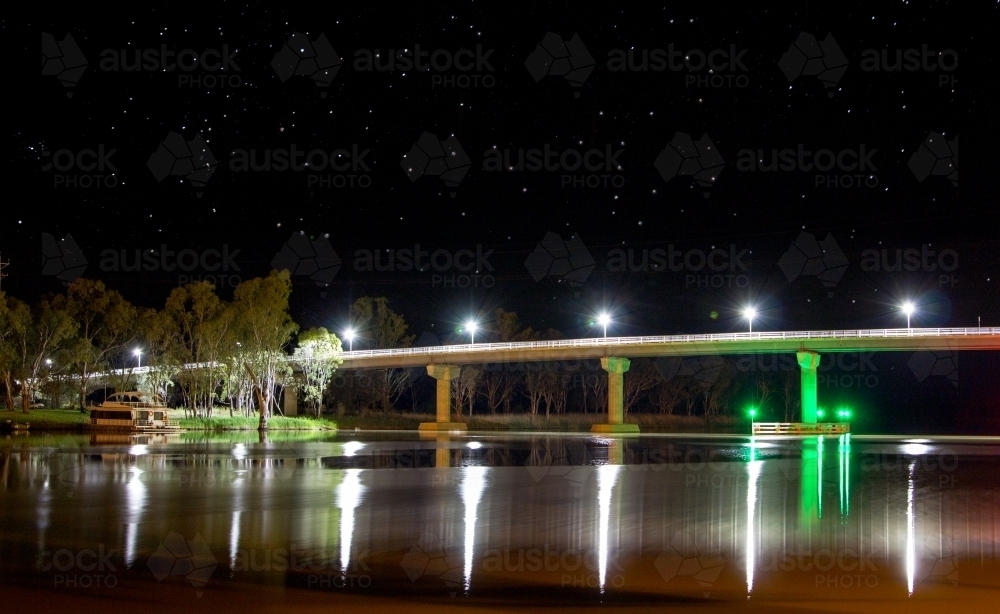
column 844, row 475
column 810, row 483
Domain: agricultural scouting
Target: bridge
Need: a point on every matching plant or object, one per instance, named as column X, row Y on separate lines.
column 443, row 363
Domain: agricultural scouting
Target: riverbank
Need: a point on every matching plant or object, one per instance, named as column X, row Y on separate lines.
column 569, row 423
column 72, row 420
column 75, row 421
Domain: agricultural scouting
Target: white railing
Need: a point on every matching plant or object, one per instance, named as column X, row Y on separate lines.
column 876, row 333
column 594, row 342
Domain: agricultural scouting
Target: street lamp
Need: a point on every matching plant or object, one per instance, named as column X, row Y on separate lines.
column 908, row 309
column 604, row 319
column 138, row 356
column 349, row 335
column 471, row 326
column 750, row 313
column 753, row 414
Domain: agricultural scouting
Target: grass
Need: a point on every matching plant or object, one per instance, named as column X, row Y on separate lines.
column 243, row 423
column 47, row 419
column 74, row 420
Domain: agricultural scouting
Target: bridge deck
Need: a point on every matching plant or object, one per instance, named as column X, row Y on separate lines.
column 883, row 340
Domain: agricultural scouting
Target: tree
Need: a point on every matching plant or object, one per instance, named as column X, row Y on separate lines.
column 201, row 321
column 11, row 310
column 668, row 394
column 161, row 350
column 641, row 376
column 39, row 334
column 107, row 325
column 499, row 380
column 598, row 385
column 468, row 386
column 264, row 328
column 764, row 392
column 554, row 391
column 720, row 391
column 498, row 386
column 790, row 396
column 534, row 387
column 381, row 328
column 318, row 356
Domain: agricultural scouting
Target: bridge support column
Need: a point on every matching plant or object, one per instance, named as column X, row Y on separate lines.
column 290, row 400
column 443, row 374
column 616, row 367
column 808, row 363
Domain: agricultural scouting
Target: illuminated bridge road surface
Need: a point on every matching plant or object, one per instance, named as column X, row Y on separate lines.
column 818, row 341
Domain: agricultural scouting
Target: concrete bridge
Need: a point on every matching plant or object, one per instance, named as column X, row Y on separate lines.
column 443, row 362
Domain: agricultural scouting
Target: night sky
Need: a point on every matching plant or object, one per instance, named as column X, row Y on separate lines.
column 505, row 214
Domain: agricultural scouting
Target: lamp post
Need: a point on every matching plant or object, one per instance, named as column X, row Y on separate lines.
column 753, row 414
column 138, row 357
column 471, row 326
column 750, row 313
column 908, row 309
column 349, row 335
column 604, row 319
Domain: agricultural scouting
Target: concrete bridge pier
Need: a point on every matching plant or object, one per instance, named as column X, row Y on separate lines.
column 808, row 363
column 616, row 368
column 443, row 374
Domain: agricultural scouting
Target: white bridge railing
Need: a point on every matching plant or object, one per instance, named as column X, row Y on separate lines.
column 880, row 333
column 590, row 342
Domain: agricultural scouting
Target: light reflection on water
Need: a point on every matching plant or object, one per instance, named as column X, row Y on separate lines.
column 719, row 518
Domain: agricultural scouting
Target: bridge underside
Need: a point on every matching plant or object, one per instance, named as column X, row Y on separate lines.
column 616, row 367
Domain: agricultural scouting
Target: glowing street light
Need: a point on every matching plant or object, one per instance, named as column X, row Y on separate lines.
column 750, row 313
column 752, row 412
column 471, row 326
column 138, row 356
column 908, row 309
column 349, row 335
column 604, row 319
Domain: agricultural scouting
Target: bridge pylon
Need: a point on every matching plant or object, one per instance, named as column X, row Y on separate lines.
column 443, row 374
column 616, row 368
column 808, row 363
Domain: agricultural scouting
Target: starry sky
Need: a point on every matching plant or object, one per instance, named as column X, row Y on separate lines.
column 504, row 214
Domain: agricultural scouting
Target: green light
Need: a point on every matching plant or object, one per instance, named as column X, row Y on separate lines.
column 820, row 413
column 752, row 411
